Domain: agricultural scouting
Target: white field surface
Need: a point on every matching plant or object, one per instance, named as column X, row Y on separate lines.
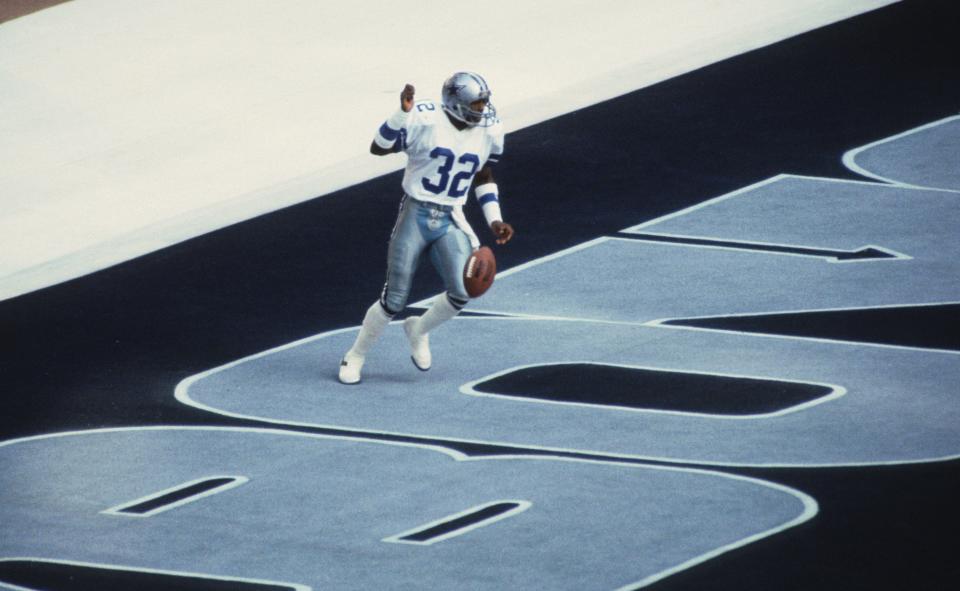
column 126, row 127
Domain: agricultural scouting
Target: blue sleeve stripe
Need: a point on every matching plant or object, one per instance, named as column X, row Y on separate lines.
column 388, row 133
column 484, row 199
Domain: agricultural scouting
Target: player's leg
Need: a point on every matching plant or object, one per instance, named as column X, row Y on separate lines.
column 403, row 257
column 448, row 254
column 374, row 321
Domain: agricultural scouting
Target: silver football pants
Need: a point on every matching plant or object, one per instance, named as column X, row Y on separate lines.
column 425, row 227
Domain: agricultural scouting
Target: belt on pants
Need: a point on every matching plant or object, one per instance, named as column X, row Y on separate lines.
column 431, row 205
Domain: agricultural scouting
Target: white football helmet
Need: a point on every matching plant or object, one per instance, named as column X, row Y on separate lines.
column 462, row 89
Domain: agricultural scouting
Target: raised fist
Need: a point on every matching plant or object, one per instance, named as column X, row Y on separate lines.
column 406, row 98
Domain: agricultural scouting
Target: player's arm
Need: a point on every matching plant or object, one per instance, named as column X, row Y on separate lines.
column 389, row 137
column 487, row 194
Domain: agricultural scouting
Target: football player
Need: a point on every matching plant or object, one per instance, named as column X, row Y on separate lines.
column 451, row 149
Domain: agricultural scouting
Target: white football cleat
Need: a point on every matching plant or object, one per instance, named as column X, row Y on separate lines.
column 419, row 344
column 350, row 368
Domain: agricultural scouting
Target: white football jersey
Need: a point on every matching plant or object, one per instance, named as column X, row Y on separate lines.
column 442, row 160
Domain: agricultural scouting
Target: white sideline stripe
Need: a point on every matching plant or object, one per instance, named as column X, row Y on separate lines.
column 520, row 508
column 182, row 394
column 501, row 315
column 746, row 244
column 235, row 481
column 152, row 571
column 850, row 157
column 835, row 391
column 809, row 504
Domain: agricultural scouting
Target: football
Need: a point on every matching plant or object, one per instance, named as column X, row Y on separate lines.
column 479, row 271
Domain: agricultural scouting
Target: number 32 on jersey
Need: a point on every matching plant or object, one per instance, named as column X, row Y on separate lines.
column 442, row 183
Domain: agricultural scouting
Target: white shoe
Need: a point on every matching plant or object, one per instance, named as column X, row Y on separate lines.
column 419, row 344
column 350, row 368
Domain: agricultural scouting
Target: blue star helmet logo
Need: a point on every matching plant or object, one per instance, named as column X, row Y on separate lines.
column 455, row 89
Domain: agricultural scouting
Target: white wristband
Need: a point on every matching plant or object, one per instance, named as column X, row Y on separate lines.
column 389, row 132
column 491, row 211
column 489, row 197
column 398, row 120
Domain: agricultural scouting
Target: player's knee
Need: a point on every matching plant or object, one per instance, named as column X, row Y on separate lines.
column 393, row 301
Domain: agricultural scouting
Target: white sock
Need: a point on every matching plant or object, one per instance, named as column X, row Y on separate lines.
column 375, row 320
column 441, row 311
